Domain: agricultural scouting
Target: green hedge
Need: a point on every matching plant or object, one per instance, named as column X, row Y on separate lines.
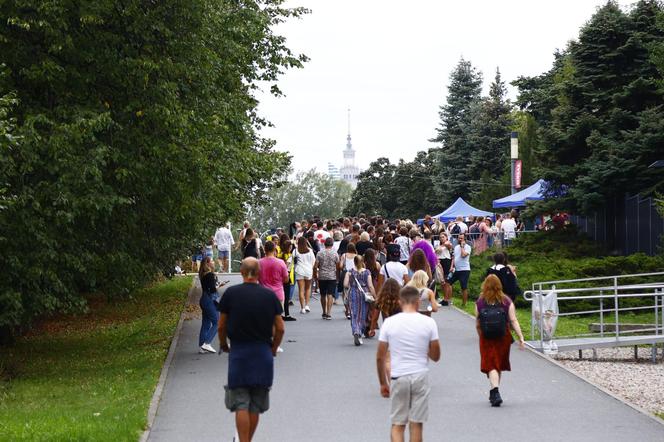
column 557, row 255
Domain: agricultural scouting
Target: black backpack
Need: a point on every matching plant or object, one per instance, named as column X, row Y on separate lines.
column 456, row 229
column 493, row 321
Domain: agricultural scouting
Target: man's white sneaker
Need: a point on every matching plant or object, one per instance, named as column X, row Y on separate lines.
column 208, row 348
column 201, row 351
column 280, row 350
column 307, row 309
column 361, row 341
column 303, row 311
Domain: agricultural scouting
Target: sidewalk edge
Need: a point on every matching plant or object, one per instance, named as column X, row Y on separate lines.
column 159, row 389
column 585, row 379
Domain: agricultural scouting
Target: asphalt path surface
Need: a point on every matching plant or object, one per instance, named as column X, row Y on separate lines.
column 326, row 390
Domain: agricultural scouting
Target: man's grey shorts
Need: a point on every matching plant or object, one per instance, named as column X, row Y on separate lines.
column 254, row 399
column 410, row 398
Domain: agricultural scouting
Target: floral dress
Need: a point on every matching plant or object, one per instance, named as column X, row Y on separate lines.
column 359, row 308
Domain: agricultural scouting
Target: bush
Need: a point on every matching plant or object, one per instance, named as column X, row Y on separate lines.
column 551, row 256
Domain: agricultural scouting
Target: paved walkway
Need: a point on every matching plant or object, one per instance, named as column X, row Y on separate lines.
column 326, row 390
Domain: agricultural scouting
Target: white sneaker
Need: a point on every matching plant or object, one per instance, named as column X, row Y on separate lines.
column 303, row 311
column 280, row 350
column 208, row 348
column 307, row 309
column 201, row 350
column 361, row 341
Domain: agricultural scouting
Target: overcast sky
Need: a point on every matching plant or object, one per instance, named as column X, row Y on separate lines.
column 389, row 62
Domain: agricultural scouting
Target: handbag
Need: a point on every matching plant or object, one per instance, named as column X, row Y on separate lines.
column 439, row 275
column 368, row 297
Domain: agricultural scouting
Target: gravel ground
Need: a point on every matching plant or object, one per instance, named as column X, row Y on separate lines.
column 638, row 381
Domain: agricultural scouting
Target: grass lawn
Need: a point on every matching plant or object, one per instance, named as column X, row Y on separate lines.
column 90, row 377
column 559, row 255
column 569, row 325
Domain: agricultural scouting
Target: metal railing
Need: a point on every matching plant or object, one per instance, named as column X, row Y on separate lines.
column 605, row 301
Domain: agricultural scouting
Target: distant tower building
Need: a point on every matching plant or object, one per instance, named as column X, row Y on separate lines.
column 333, row 171
column 349, row 171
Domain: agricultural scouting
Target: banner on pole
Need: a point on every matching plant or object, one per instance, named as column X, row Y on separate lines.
column 517, row 174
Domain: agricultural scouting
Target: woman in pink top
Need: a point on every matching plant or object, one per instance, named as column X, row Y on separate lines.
column 273, row 272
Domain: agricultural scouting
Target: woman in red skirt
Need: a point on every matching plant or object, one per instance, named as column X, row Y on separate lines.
column 495, row 315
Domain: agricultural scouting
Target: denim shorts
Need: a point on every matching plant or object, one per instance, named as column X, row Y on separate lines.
column 223, row 254
column 254, row 399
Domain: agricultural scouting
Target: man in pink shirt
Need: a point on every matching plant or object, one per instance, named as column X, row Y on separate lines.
column 273, row 272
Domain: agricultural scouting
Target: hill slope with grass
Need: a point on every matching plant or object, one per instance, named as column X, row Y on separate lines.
column 90, row 377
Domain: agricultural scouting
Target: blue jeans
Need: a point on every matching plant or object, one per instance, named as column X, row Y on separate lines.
column 209, row 321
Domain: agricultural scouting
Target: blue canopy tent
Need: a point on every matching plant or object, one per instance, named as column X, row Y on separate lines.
column 519, row 199
column 459, row 208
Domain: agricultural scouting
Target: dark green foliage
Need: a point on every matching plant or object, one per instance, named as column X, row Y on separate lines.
column 136, row 132
column 560, row 255
column 456, row 116
column 406, row 190
column 489, row 140
column 600, row 109
column 471, row 162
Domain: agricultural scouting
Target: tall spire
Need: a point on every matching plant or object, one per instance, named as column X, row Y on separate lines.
column 349, row 146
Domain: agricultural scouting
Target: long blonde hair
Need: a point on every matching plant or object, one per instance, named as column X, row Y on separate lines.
column 492, row 290
column 420, row 280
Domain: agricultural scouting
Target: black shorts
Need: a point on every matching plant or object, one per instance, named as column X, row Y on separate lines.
column 462, row 276
column 327, row 287
column 446, row 264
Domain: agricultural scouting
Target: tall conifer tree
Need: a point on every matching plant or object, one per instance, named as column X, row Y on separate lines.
column 464, row 91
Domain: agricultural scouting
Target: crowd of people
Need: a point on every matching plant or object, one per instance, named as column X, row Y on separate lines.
column 397, row 271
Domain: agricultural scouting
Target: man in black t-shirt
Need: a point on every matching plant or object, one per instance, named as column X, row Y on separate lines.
column 251, row 319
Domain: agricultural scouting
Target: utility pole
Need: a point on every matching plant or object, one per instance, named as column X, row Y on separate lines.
column 514, row 155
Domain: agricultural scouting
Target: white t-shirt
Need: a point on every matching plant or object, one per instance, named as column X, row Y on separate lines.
column 509, row 227
column 461, row 263
column 408, row 336
column 395, row 269
column 404, row 244
column 305, row 264
column 321, row 236
column 224, row 239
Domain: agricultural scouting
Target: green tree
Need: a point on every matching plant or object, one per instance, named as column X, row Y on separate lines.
column 375, row 189
column 600, row 110
column 526, row 126
column 309, row 194
column 464, row 92
column 488, row 137
column 136, row 131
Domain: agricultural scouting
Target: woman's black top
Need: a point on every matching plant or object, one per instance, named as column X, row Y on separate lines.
column 363, row 246
column 508, row 280
column 250, row 249
column 209, row 283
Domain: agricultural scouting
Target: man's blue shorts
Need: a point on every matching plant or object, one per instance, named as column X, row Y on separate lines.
column 223, row 254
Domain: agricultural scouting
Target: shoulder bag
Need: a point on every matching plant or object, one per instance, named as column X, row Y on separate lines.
column 368, row 297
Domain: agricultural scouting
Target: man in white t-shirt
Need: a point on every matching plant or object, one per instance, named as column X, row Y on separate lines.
column 508, row 227
column 393, row 268
column 412, row 339
column 321, row 235
column 460, row 269
column 223, row 238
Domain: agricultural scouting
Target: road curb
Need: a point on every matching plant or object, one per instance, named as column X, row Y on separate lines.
column 583, row 378
column 156, row 397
